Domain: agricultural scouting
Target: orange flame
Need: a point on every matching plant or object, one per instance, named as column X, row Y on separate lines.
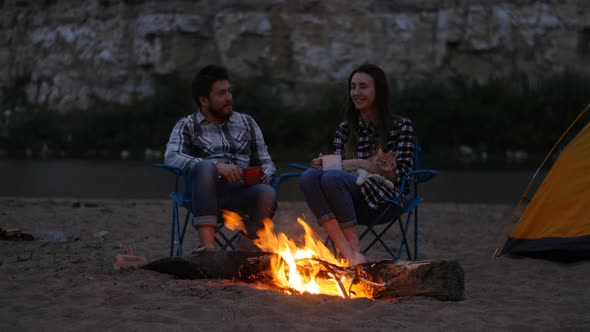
column 311, row 268
column 233, row 221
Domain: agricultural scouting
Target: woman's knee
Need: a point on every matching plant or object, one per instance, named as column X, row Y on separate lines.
column 332, row 179
column 309, row 179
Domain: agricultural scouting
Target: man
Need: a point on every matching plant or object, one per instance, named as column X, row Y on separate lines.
column 212, row 146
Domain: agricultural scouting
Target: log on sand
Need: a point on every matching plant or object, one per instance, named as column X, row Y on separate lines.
column 387, row 280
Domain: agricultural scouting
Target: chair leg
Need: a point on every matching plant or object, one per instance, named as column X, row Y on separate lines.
column 379, row 239
column 225, row 242
column 404, row 232
column 181, row 234
column 174, row 225
column 416, row 234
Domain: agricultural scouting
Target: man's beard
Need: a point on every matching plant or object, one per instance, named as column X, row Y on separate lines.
column 218, row 112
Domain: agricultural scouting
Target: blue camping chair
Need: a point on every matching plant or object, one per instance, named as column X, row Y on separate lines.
column 395, row 212
column 223, row 237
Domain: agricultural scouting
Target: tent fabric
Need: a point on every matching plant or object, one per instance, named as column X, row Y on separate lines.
column 556, row 223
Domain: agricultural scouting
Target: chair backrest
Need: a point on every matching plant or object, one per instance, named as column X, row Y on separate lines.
column 393, row 212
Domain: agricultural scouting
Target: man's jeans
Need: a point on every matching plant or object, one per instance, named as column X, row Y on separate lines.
column 209, row 193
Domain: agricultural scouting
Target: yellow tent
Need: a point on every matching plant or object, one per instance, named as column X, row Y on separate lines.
column 556, row 222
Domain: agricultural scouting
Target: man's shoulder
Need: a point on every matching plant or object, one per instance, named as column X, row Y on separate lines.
column 241, row 117
column 189, row 118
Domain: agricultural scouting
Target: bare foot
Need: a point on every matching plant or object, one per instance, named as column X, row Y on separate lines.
column 357, row 259
column 202, row 249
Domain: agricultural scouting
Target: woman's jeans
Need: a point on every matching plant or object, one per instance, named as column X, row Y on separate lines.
column 209, row 192
column 334, row 194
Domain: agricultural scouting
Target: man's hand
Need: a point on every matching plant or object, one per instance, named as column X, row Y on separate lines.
column 232, row 173
column 351, row 165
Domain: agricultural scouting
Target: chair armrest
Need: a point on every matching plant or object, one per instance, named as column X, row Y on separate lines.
column 417, row 176
column 277, row 181
column 176, row 170
column 173, row 169
column 299, row 166
column 423, row 175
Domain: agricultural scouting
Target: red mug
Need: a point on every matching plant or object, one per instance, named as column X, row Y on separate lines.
column 252, row 175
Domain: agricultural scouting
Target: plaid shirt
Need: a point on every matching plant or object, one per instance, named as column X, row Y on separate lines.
column 401, row 138
column 237, row 141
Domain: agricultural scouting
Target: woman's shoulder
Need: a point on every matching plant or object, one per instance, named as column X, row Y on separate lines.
column 400, row 121
column 343, row 126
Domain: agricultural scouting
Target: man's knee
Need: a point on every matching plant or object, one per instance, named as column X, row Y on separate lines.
column 267, row 194
column 204, row 168
column 266, row 199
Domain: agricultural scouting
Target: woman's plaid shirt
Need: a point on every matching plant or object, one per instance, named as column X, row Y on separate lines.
column 401, row 138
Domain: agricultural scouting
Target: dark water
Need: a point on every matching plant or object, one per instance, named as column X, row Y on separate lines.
column 138, row 180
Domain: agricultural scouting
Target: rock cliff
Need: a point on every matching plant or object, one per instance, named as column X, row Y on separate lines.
column 71, row 54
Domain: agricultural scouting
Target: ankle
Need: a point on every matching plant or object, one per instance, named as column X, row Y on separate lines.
column 356, row 259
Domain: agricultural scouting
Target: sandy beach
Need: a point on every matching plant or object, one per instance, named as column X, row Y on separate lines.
column 72, row 286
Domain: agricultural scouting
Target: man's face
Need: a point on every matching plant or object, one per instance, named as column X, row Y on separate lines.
column 219, row 104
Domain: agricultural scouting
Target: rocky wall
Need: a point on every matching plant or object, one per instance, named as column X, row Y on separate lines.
column 71, row 54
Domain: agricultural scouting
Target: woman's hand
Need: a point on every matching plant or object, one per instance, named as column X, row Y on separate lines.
column 317, row 162
column 351, row 165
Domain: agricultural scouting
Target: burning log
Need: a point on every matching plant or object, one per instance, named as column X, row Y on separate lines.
column 442, row 280
column 230, row 265
column 386, row 280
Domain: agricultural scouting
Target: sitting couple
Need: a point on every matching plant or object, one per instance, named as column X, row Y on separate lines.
column 214, row 144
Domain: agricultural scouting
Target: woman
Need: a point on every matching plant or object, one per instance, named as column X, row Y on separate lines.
column 333, row 195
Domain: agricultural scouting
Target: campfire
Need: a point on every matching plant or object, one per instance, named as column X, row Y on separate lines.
column 309, row 268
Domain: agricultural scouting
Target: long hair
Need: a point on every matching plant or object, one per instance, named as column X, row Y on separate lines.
column 384, row 117
column 203, row 81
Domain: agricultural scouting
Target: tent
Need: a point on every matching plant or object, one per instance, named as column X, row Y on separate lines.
column 555, row 224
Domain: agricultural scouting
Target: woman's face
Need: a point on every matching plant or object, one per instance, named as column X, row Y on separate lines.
column 362, row 92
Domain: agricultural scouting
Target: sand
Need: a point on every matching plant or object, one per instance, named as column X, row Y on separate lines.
column 72, row 286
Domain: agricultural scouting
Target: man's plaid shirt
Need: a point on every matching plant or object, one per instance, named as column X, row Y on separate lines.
column 401, row 138
column 237, row 141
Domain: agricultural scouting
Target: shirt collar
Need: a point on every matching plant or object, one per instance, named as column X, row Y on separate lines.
column 201, row 118
column 368, row 127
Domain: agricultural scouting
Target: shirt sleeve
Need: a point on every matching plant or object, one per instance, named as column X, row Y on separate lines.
column 260, row 153
column 402, row 139
column 340, row 138
column 179, row 147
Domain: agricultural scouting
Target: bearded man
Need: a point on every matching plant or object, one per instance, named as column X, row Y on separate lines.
column 213, row 146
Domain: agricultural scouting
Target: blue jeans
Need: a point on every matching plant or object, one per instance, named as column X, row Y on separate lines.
column 334, row 194
column 209, row 193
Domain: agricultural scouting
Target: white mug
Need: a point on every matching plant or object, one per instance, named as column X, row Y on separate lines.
column 331, row 161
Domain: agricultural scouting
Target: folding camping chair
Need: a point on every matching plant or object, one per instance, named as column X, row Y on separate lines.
column 223, row 237
column 394, row 212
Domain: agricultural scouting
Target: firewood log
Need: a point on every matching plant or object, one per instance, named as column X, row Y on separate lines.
column 387, row 280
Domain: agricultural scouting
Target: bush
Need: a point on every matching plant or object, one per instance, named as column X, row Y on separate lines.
column 510, row 113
